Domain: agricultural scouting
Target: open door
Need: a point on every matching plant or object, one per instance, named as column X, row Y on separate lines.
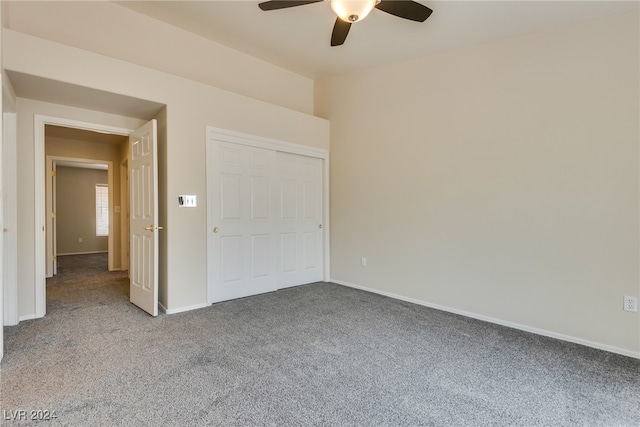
column 52, row 263
column 54, row 225
column 143, row 224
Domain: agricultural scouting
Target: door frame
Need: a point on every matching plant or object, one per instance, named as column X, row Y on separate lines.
column 39, row 123
column 53, row 161
column 9, row 212
column 124, row 214
column 223, row 135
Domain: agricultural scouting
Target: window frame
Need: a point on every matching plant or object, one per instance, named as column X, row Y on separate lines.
column 102, row 210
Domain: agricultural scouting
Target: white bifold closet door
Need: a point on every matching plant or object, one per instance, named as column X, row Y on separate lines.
column 266, row 215
column 300, row 219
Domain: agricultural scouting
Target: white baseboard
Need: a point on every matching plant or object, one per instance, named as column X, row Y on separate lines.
column 12, row 322
column 27, row 317
column 525, row 328
column 182, row 309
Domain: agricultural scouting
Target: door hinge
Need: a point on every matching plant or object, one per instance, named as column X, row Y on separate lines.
column 53, row 258
column 53, row 214
column 53, row 173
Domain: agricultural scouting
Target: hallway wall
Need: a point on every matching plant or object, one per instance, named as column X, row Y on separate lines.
column 76, row 211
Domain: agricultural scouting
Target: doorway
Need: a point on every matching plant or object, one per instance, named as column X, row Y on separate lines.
column 142, row 148
column 84, row 156
column 78, row 206
column 84, row 230
column 70, row 143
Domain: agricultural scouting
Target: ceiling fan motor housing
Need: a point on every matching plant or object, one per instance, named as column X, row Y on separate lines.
column 352, row 10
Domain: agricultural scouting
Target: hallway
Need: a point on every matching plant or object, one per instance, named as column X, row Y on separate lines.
column 84, row 281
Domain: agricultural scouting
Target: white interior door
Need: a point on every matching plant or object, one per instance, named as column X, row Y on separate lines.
column 144, row 218
column 243, row 216
column 300, row 225
column 54, row 219
column 51, row 267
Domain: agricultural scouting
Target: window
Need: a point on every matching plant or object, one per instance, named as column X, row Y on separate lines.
column 102, row 210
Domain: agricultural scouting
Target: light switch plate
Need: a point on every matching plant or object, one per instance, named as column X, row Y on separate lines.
column 187, row 201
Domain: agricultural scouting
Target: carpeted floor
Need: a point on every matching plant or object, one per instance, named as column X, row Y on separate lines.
column 319, row 354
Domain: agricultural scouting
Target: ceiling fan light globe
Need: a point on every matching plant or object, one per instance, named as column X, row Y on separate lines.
column 352, row 10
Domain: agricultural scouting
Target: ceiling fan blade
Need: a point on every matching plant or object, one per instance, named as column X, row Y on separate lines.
column 406, row 9
column 340, row 32
column 283, row 4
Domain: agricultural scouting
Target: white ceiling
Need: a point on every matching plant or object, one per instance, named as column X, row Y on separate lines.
column 297, row 38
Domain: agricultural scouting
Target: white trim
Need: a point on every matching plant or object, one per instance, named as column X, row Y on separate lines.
column 9, row 208
column 123, row 214
column 39, row 122
column 76, row 124
column 518, row 326
column 209, row 160
column 267, row 143
column 2, row 248
column 28, row 317
column 326, row 220
column 183, row 309
column 162, row 307
column 217, row 134
column 637, row 288
column 39, row 215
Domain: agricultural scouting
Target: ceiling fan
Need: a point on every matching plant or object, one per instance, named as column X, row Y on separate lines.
column 351, row 11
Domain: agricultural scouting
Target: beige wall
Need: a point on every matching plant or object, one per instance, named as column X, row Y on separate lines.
column 499, row 180
column 76, row 210
column 191, row 106
column 112, row 30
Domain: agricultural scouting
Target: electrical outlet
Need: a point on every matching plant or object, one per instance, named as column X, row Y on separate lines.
column 630, row 303
column 363, row 261
column 80, row 240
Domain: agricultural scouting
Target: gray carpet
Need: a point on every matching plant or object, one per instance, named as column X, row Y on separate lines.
column 319, row 354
